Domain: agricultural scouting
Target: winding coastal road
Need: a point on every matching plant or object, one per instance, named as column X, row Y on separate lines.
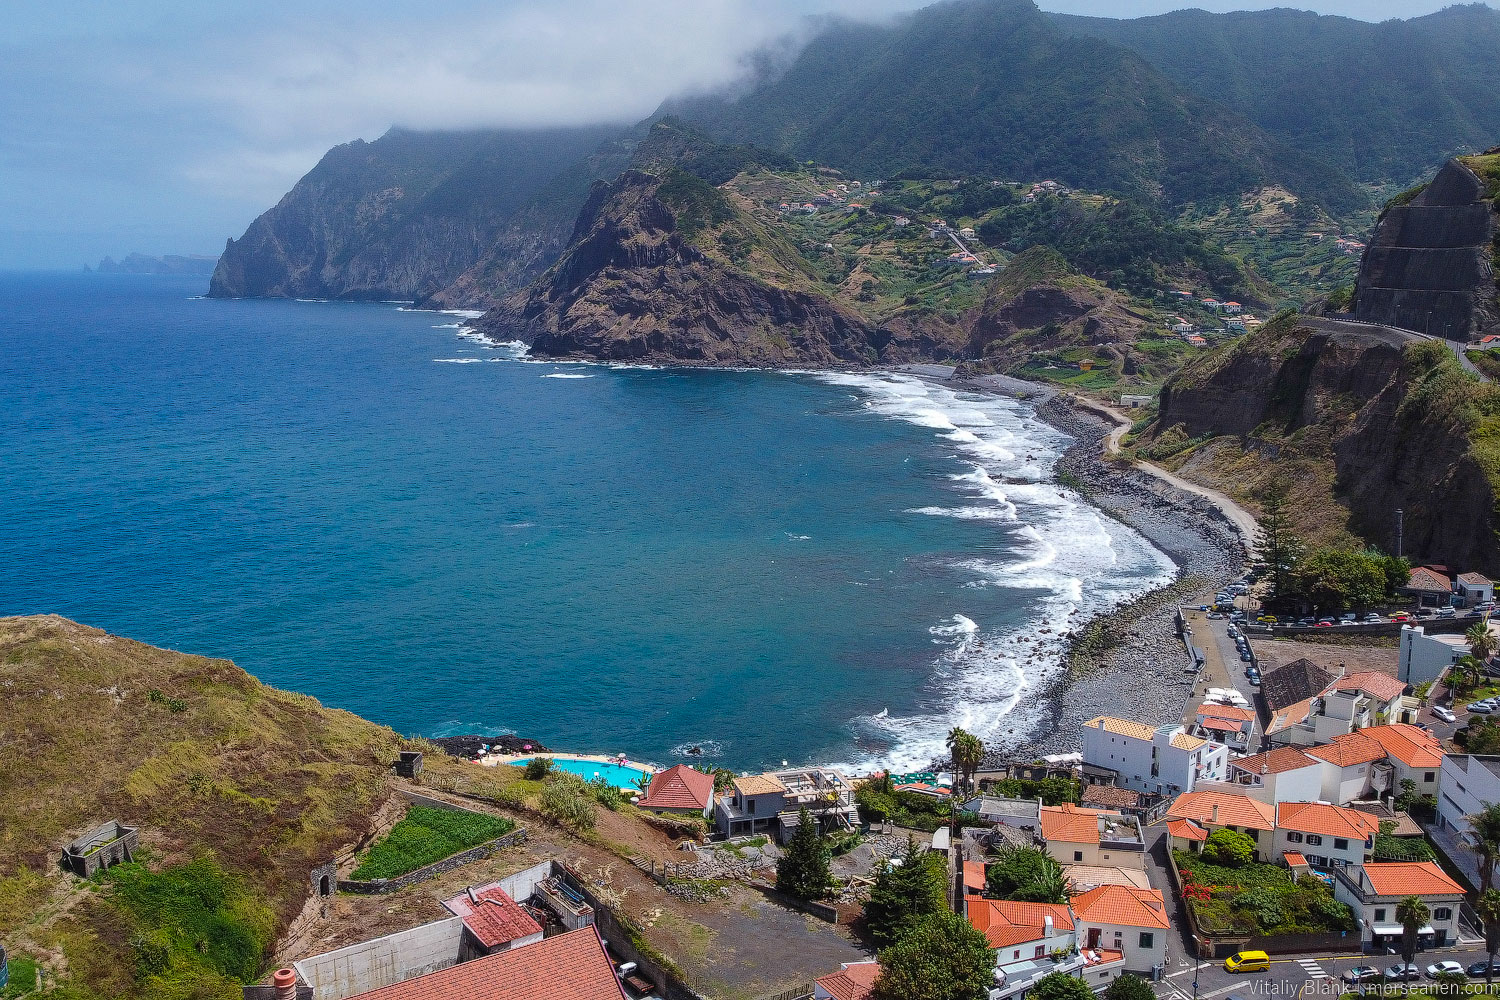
column 1243, row 521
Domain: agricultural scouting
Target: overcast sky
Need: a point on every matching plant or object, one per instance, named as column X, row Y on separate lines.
column 166, row 125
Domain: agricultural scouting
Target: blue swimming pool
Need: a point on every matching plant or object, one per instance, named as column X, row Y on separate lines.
column 617, row 775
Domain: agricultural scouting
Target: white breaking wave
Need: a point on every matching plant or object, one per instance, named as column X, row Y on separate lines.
column 459, row 361
column 566, row 375
column 1065, row 560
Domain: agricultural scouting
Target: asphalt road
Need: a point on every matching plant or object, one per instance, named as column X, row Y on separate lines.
column 1290, row 975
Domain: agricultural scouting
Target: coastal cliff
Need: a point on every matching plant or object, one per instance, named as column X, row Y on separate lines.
column 1355, row 422
column 411, row 213
column 1430, row 266
column 666, row 266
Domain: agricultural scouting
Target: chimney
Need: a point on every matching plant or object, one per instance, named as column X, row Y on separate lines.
column 285, row 983
column 1047, row 925
column 1215, row 818
column 473, row 897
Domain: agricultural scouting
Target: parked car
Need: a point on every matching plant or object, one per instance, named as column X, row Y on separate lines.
column 1446, row 714
column 1446, row 613
column 1373, row 619
column 1325, row 623
column 1485, row 606
column 1361, row 974
column 1485, row 707
column 1215, row 616
column 1400, row 616
column 1349, row 616
column 1253, row 676
column 1478, row 969
column 1268, row 619
column 1402, row 972
column 1438, row 968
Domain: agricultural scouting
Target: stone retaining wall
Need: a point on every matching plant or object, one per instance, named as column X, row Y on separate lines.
column 379, row 886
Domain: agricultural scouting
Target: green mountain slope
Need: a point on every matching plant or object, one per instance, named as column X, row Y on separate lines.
column 406, row 215
column 1383, row 102
column 993, row 87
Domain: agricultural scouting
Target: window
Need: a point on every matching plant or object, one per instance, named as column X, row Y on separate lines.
column 1340, row 843
column 1147, row 938
column 1041, row 951
column 1442, row 913
column 1294, row 838
column 1077, row 855
column 1380, row 913
column 1314, row 840
column 1429, row 776
column 750, row 805
column 1317, row 860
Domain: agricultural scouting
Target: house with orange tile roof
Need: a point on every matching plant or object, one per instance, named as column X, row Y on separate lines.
column 853, row 981
column 1354, row 768
column 1280, row 774
column 1124, row 919
column 1078, row 835
column 1432, row 586
column 1413, row 752
column 1224, row 810
column 1227, row 724
column 680, row 790
column 571, row 966
column 1160, row 760
column 1185, row 835
column 493, row 922
column 1325, row 835
column 1374, row 890
column 1352, row 702
column 1025, row 936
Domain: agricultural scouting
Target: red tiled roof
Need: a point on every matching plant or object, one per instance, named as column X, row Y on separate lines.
column 1071, row 824
column 855, row 981
column 1294, row 858
column 1411, row 746
column 1474, row 579
column 570, row 966
column 1352, row 748
column 494, row 918
column 679, row 787
column 1122, row 905
column 1273, row 761
column 1325, row 819
column 1226, row 712
column 1234, row 810
column 1005, row 922
column 1186, row 829
column 974, row 876
column 1371, row 682
column 1410, row 878
column 1222, row 725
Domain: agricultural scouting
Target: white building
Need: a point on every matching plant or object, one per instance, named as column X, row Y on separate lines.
column 1124, row 919
column 1466, row 784
column 1424, row 657
column 1282, row 774
column 1373, row 892
column 1163, row 760
column 1325, row 835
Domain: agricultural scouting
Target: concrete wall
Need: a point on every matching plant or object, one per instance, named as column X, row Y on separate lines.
column 380, row 962
column 1465, row 786
column 375, row 887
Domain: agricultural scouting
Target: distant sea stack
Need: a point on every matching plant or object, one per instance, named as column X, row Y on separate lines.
column 139, row 263
column 1430, row 266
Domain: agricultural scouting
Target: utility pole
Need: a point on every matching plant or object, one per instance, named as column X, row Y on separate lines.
column 1400, row 531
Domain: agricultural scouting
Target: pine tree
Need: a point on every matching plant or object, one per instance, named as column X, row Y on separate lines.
column 1277, row 547
column 914, row 886
column 804, row 870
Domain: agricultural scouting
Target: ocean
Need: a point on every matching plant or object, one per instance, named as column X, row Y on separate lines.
column 364, row 503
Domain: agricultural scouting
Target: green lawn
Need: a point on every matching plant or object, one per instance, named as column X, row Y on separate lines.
column 428, row 835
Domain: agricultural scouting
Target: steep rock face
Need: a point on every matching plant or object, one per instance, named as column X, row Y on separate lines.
column 634, row 285
column 1429, row 266
column 1393, row 410
column 1039, row 303
column 408, row 214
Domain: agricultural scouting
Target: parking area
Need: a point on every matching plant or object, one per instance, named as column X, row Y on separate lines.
column 1289, row 975
column 1223, row 666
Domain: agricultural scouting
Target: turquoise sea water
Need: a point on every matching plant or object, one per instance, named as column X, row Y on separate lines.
column 364, row 504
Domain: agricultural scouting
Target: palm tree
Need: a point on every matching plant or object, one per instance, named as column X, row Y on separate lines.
column 1413, row 914
column 1481, row 643
column 967, row 751
column 1487, row 905
column 1484, row 829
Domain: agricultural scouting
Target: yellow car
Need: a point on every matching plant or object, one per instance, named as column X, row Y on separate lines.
column 1268, row 619
column 1247, row 961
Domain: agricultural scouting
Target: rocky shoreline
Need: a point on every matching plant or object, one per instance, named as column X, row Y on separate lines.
column 1128, row 662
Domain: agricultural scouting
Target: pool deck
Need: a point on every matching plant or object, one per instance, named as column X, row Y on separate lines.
column 496, row 759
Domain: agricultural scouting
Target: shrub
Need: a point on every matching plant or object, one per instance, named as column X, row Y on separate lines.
column 538, row 768
column 905, row 891
column 803, row 871
column 427, row 835
column 1027, row 874
column 568, row 801
column 939, row 957
column 1229, row 848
